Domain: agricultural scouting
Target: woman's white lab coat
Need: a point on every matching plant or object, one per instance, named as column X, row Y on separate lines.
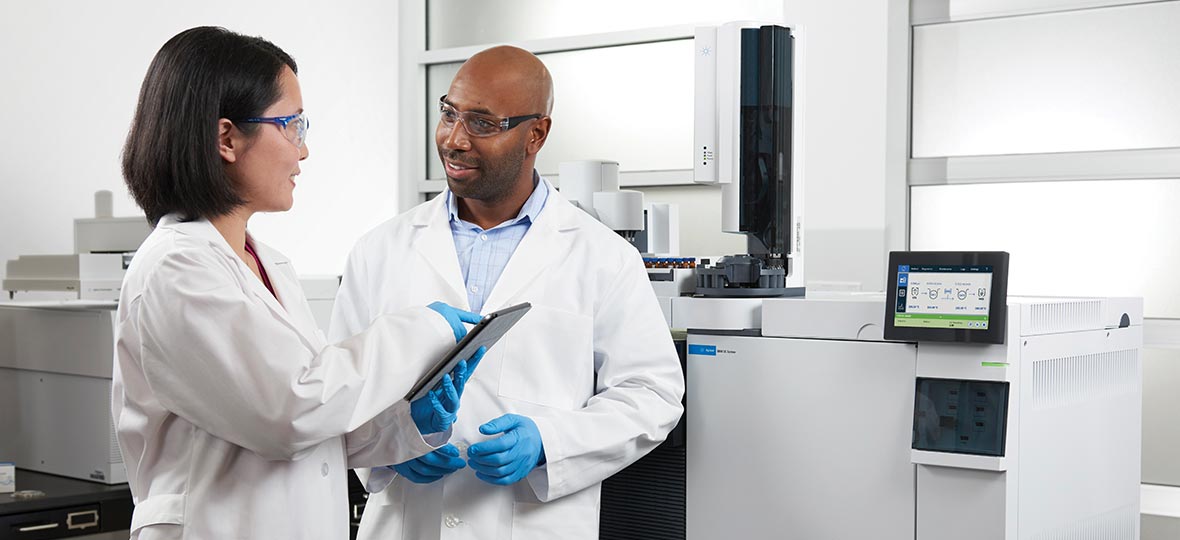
column 592, row 364
column 232, row 411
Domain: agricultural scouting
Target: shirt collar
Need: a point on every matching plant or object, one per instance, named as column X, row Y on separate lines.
column 531, row 209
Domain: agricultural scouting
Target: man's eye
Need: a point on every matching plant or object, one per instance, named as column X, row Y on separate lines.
column 449, row 115
column 484, row 124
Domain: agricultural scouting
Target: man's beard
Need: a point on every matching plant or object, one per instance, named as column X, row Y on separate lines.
column 496, row 179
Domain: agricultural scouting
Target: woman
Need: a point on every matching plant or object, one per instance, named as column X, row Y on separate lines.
column 235, row 418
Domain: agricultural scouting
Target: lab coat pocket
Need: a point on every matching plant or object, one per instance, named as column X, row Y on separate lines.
column 158, row 516
column 549, row 359
column 383, row 515
column 546, row 521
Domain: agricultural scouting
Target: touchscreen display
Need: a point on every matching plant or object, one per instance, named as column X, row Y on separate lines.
column 943, row 296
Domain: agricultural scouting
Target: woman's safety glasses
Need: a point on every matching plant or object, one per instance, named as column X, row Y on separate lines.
column 294, row 127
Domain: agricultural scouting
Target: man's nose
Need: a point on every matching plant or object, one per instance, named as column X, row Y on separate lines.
column 457, row 138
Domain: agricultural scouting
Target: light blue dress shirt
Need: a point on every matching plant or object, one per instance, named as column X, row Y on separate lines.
column 483, row 254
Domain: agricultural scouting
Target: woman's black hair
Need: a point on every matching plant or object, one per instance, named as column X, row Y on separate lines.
column 171, row 161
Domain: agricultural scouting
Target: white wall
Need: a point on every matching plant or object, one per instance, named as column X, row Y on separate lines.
column 70, row 73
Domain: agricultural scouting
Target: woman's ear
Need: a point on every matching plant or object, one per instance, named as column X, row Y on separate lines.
column 228, row 142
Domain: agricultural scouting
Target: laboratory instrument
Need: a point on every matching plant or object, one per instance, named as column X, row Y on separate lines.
column 747, row 138
column 103, row 247
column 593, row 186
column 936, row 435
column 55, row 389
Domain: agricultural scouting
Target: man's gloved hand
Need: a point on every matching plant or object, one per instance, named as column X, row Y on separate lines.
column 431, row 467
column 438, row 409
column 510, row 457
column 456, row 317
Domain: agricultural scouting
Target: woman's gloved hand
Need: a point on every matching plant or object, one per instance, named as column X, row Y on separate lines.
column 438, row 409
column 456, row 317
column 431, row 467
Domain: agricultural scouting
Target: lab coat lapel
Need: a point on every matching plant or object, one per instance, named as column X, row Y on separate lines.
column 434, row 242
column 544, row 243
column 291, row 300
column 203, row 229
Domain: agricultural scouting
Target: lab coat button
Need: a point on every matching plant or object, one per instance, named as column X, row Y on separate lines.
column 452, row 521
column 324, row 469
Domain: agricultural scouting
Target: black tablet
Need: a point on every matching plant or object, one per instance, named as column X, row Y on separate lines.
column 485, row 334
column 957, row 296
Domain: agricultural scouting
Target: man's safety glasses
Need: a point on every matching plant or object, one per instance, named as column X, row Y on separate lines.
column 478, row 124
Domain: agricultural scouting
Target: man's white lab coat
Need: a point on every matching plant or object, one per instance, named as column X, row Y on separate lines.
column 592, row 364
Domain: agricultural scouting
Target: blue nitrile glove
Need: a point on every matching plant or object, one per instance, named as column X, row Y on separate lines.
column 431, row 467
column 510, row 457
column 456, row 317
column 437, row 410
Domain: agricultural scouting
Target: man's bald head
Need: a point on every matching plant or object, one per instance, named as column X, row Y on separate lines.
column 494, row 172
column 507, row 70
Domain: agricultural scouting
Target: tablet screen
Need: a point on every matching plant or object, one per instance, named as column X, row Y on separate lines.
column 485, row 334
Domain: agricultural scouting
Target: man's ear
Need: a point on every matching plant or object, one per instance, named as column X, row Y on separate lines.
column 539, row 134
column 228, row 140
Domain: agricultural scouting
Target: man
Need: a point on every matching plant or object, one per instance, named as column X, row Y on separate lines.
column 585, row 384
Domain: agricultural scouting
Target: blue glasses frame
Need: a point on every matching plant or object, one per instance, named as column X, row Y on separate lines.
column 302, row 124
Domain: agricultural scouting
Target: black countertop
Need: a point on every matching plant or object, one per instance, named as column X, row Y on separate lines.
column 59, row 491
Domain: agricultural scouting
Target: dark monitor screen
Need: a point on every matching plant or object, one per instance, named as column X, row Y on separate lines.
column 947, row 296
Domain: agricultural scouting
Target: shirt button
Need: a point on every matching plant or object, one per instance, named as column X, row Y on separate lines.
column 324, row 469
column 451, row 521
column 483, row 237
column 474, row 289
